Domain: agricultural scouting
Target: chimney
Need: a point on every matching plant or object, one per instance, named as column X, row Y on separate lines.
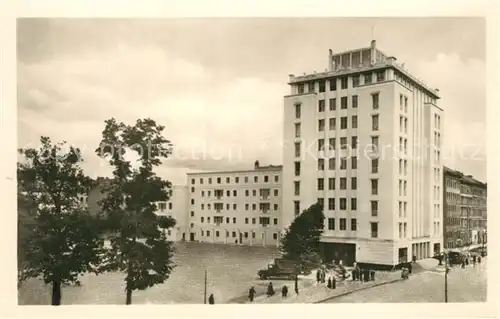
column 290, row 77
column 330, row 60
column 391, row 60
column 256, row 164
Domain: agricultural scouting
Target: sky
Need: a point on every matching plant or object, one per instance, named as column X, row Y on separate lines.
column 217, row 84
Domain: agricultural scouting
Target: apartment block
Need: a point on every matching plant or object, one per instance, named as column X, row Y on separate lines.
column 364, row 139
column 176, row 207
column 236, row 207
column 465, row 211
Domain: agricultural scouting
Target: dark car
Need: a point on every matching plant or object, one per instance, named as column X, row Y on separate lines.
column 281, row 268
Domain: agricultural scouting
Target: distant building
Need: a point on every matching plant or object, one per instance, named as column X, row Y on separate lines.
column 364, row 139
column 177, row 208
column 465, row 210
column 236, row 207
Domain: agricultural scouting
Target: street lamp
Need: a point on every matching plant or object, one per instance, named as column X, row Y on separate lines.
column 446, row 271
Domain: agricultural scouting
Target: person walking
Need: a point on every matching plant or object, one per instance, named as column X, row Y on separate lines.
column 211, row 299
column 318, row 276
column 270, row 290
column 251, row 294
column 284, row 292
column 329, row 284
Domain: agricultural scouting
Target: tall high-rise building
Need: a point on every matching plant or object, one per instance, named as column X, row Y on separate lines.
column 364, row 139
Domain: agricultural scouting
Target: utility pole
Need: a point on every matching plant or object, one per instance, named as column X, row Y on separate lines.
column 205, row 290
column 446, row 270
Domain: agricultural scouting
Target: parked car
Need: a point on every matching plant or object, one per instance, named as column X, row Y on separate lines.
column 281, row 268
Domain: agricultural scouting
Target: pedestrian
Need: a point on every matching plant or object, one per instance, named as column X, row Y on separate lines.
column 323, row 276
column 251, row 293
column 474, row 260
column 318, row 276
column 211, row 299
column 270, row 290
column 329, row 284
column 409, row 268
column 334, row 283
column 284, row 292
column 463, row 263
column 467, row 261
column 297, row 284
column 479, row 259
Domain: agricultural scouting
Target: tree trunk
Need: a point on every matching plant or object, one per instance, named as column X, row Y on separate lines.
column 129, row 297
column 56, row 293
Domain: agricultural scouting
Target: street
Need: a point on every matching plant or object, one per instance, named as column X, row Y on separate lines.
column 464, row 285
column 231, row 271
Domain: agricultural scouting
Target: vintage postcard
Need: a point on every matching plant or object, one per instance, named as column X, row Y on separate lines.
column 249, row 161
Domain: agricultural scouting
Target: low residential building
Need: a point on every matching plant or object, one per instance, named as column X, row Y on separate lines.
column 236, row 207
column 465, row 211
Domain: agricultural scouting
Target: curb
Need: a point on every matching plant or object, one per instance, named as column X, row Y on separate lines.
column 359, row 289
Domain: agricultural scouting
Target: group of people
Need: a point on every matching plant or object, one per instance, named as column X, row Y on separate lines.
column 321, row 279
column 474, row 258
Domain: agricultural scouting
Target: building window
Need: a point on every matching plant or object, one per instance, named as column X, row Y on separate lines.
column 192, row 213
column 375, row 122
column 354, row 204
column 275, row 221
column 374, row 165
column 275, row 236
column 228, row 180
column 297, row 168
column 247, row 206
column 331, row 223
column 354, row 101
column 208, row 233
column 354, row 183
column 234, row 220
column 321, row 125
column 331, row 163
column 374, row 229
column 246, row 177
column 343, row 83
column 321, row 184
column 322, row 86
column 321, row 105
column 321, row 145
column 297, row 150
column 354, row 121
column 343, row 203
column 169, row 205
column 296, row 185
column 375, row 101
column 374, row 184
column 331, row 143
column 332, row 124
column 331, row 183
column 374, row 207
column 300, row 88
column 333, row 104
column 256, row 179
column 375, row 143
column 333, row 84
column 192, row 189
column 343, row 163
column 275, row 192
column 354, row 162
column 192, row 201
column 218, row 180
column 275, row 207
column 266, row 179
column 343, row 103
column 254, row 206
column 192, row 181
column 343, row 183
column 342, row 225
column 331, row 203
column 354, row 142
column 297, row 111
column 202, row 219
column 355, row 81
column 381, row 76
column 296, row 207
column 368, row 78
column 343, row 123
column 311, row 86
column 321, row 164
column 297, row 129
column 276, row 178
column 354, row 224
column 253, row 221
column 321, row 201
column 210, row 180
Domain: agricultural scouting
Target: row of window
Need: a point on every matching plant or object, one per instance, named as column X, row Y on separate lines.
column 437, row 122
column 403, row 103
column 437, row 211
column 332, row 104
column 342, row 184
column 245, row 234
column 403, row 167
column 437, row 157
column 331, row 185
column 342, row 203
column 263, row 192
column 332, row 163
column 437, row 139
column 402, row 205
column 437, row 228
column 437, row 175
column 403, row 124
column 264, row 221
column 236, row 179
column 437, row 193
column 403, row 145
column 265, row 207
column 342, row 224
column 343, row 144
column 332, row 83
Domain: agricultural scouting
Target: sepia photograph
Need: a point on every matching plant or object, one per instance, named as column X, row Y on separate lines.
column 251, row 160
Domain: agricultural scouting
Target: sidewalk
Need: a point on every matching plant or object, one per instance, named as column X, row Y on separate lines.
column 320, row 293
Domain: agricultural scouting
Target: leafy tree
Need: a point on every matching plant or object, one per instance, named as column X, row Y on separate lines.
column 301, row 239
column 58, row 238
column 139, row 247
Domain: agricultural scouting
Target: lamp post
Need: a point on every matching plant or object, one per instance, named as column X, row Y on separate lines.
column 446, row 270
column 205, row 290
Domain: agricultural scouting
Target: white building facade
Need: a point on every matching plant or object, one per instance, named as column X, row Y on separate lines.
column 176, row 207
column 236, row 207
column 364, row 138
